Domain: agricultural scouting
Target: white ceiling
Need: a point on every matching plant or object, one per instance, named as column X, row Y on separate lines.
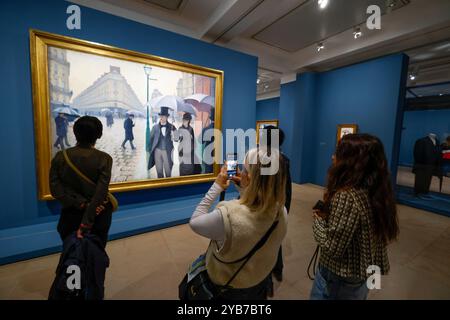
column 442, row 89
column 284, row 34
column 299, row 28
column 430, row 64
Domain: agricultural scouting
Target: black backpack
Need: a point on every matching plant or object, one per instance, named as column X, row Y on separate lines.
column 87, row 258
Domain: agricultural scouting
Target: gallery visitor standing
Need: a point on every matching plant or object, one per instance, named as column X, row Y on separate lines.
column 278, row 269
column 85, row 206
column 357, row 222
column 245, row 233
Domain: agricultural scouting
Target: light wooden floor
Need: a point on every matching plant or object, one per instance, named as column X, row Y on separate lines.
column 150, row 266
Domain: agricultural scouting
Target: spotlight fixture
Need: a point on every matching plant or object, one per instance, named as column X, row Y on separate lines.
column 258, row 80
column 357, row 33
column 266, row 86
column 391, row 3
column 320, row 46
column 412, row 77
column 322, row 4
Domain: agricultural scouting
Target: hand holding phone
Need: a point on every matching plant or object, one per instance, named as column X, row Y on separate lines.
column 318, row 210
column 318, row 206
column 231, row 164
column 222, row 178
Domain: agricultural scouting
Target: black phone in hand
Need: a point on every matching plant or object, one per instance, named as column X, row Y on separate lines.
column 319, row 205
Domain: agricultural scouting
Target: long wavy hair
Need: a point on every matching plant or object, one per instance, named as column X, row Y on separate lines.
column 360, row 162
column 266, row 192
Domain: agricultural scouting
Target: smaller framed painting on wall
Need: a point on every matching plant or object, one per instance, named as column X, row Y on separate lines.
column 344, row 129
column 261, row 124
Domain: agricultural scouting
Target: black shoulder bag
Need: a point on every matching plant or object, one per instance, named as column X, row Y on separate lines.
column 202, row 288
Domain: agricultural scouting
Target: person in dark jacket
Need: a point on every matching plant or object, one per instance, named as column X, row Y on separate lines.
column 161, row 143
column 89, row 256
column 128, row 126
column 186, row 148
column 445, row 149
column 278, row 268
column 109, row 119
column 427, row 157
column 208, row 167
column 62, row 124
column 85, row 207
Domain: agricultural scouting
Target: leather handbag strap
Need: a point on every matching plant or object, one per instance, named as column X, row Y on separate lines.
column 111, row 198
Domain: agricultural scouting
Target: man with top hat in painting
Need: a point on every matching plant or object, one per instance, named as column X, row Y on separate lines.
column 162, row 145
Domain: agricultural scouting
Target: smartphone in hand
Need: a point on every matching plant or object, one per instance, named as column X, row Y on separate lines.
column 231, row 165
column 319, row 206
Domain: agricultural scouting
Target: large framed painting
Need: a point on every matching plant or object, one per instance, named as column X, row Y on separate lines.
column 143, row 101
column 261, row 124
column 344, row 129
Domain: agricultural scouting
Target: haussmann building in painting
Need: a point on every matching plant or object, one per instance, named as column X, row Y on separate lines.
column 111, row 91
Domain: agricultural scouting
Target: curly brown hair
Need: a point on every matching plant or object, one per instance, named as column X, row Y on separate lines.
column 360, row 163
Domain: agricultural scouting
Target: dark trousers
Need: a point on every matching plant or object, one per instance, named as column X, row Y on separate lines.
column 422, row 181
column 131, row 143
column 70, row 221
column 60, row 142
column 278, row 269
column 258, row 292
column 186, row 169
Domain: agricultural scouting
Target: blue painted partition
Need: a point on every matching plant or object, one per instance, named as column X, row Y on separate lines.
column 27, row 226
column 267, row 109
column 369, row 94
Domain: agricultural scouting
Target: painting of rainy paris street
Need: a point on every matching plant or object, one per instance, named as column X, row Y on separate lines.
column 146, row 112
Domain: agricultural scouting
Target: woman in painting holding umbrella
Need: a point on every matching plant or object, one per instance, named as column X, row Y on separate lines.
column 186, row 147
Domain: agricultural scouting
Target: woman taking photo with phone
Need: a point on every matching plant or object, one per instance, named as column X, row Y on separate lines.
column 245, row 233
column 358, row 221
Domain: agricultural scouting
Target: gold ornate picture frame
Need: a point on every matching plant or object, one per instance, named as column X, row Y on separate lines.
column 57, row 92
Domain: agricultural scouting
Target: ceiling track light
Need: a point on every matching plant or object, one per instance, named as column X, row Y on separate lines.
column 391, row 3
column 258, row 80
column 412, row 77
column 320, row 46
column 322, row 4
column 357, row 33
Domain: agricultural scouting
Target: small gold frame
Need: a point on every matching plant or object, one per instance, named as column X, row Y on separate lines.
column 341, row 127
column 39, row 42
column 260, row 122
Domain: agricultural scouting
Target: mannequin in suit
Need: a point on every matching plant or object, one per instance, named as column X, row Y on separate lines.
column 426, row 162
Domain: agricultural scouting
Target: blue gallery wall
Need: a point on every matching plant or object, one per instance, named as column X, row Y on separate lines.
column 418, row 124
column 267, row 109
column 18, row 193
column 369, row 94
